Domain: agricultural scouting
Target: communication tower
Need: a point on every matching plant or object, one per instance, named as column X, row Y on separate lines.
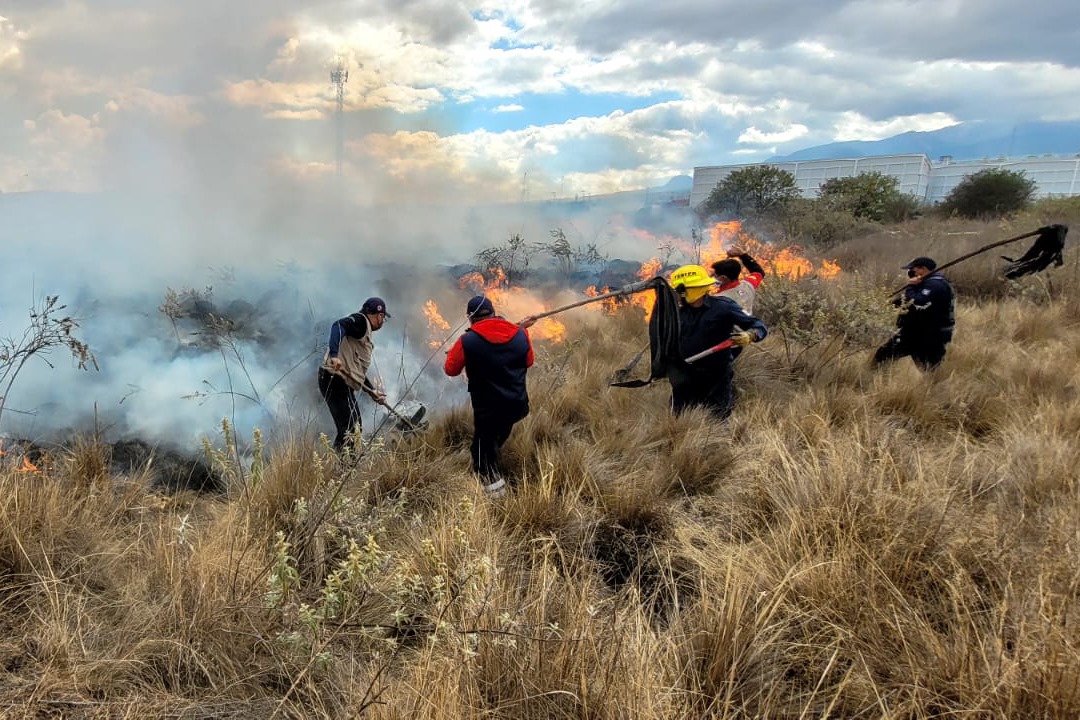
column 339, row 75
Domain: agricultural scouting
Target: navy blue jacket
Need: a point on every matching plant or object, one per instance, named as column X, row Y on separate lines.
column 929, row 309
column 350, row 326
column 709, row 324
column 495, row 355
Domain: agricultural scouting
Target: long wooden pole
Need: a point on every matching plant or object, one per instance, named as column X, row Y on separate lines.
column 624, row 290
column 972, row 254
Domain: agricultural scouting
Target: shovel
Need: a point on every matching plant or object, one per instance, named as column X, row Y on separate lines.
column 622, row 378
column 410, row 423
column 619, row 379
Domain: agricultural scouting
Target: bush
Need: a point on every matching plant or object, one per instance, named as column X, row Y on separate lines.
column 809, row 311
column 901, row 208
column 750, row 191
column 990, row 193
column 869, row 196
column 815, row 223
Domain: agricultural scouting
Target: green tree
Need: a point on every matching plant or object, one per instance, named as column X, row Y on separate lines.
column 751, row 191
column 869, row 196
column 990, row 193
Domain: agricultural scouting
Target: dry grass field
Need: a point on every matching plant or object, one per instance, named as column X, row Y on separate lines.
column 852, row 543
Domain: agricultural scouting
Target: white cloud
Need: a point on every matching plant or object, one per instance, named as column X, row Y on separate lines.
column 854, row 126
column 10, row 50
column 296, row 114
column 509, row 108
column 753, row 136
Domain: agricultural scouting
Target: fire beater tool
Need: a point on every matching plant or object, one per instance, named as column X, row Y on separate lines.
column 1050, row 231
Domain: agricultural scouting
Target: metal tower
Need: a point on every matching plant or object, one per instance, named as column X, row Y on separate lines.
column 339, row 75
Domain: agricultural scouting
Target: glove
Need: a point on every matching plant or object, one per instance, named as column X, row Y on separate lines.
column 743, row 338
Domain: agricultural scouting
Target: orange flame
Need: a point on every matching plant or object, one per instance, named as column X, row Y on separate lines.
column 514, row 303
column 25, row 466
column 829, row 269
column 790, row 262
column 608, row 305
column 648, row 270
column 436, row 324
column 722, row 235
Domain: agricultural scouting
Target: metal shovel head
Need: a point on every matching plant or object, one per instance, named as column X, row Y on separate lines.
column 629, row 383
column 622, row 378
column 410, row 418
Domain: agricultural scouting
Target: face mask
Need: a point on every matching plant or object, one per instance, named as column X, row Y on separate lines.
column 911, row 273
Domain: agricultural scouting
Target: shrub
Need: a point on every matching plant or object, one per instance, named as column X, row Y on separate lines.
column 826, row 317
column 902, row 207
column 867, row 195
column 754, row 190
column 990, row 193
column 818, row 224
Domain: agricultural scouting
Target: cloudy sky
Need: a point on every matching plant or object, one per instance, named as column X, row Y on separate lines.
column 449, row 100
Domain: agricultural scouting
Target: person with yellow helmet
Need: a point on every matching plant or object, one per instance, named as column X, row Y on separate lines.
column 704, row 321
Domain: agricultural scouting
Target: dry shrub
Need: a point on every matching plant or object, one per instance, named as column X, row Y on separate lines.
column 88, row 462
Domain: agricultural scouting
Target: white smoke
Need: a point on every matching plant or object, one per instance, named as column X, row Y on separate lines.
column 112, row 258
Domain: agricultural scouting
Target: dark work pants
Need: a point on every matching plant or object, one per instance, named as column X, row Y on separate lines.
column 926, row 353
column 491, row 429
column 341, row 399
column 713, row 391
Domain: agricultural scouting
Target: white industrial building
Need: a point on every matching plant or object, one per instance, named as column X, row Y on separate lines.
column 916, row 173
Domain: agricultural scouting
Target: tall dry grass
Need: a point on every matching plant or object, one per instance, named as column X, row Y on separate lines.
column 851, row 543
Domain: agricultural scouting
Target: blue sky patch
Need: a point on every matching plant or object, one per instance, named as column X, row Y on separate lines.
column 548, row 109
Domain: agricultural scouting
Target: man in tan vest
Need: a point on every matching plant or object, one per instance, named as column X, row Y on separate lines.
column 345, row 366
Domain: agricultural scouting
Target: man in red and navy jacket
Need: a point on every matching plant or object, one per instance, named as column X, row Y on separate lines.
column 495, row 355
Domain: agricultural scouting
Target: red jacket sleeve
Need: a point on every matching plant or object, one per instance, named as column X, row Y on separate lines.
column 455, row 359
column 529, row 358
column 754, row 279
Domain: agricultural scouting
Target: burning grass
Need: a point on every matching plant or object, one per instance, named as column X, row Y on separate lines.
column 849, row 544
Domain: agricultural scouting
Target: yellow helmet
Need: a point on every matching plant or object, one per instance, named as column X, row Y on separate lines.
column 692, row 282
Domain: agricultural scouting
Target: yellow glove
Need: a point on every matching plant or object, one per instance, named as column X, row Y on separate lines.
column 742, row 338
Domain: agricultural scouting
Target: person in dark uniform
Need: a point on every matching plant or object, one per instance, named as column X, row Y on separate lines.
column 495, row 355
column 924, row 327
column 704, row 321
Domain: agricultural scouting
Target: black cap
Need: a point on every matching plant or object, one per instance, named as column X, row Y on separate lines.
column 374, row 306
column 479, row 306
column 921, row 261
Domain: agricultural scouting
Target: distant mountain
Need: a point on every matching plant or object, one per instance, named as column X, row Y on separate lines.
column 964, row 141
column 679, row 183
